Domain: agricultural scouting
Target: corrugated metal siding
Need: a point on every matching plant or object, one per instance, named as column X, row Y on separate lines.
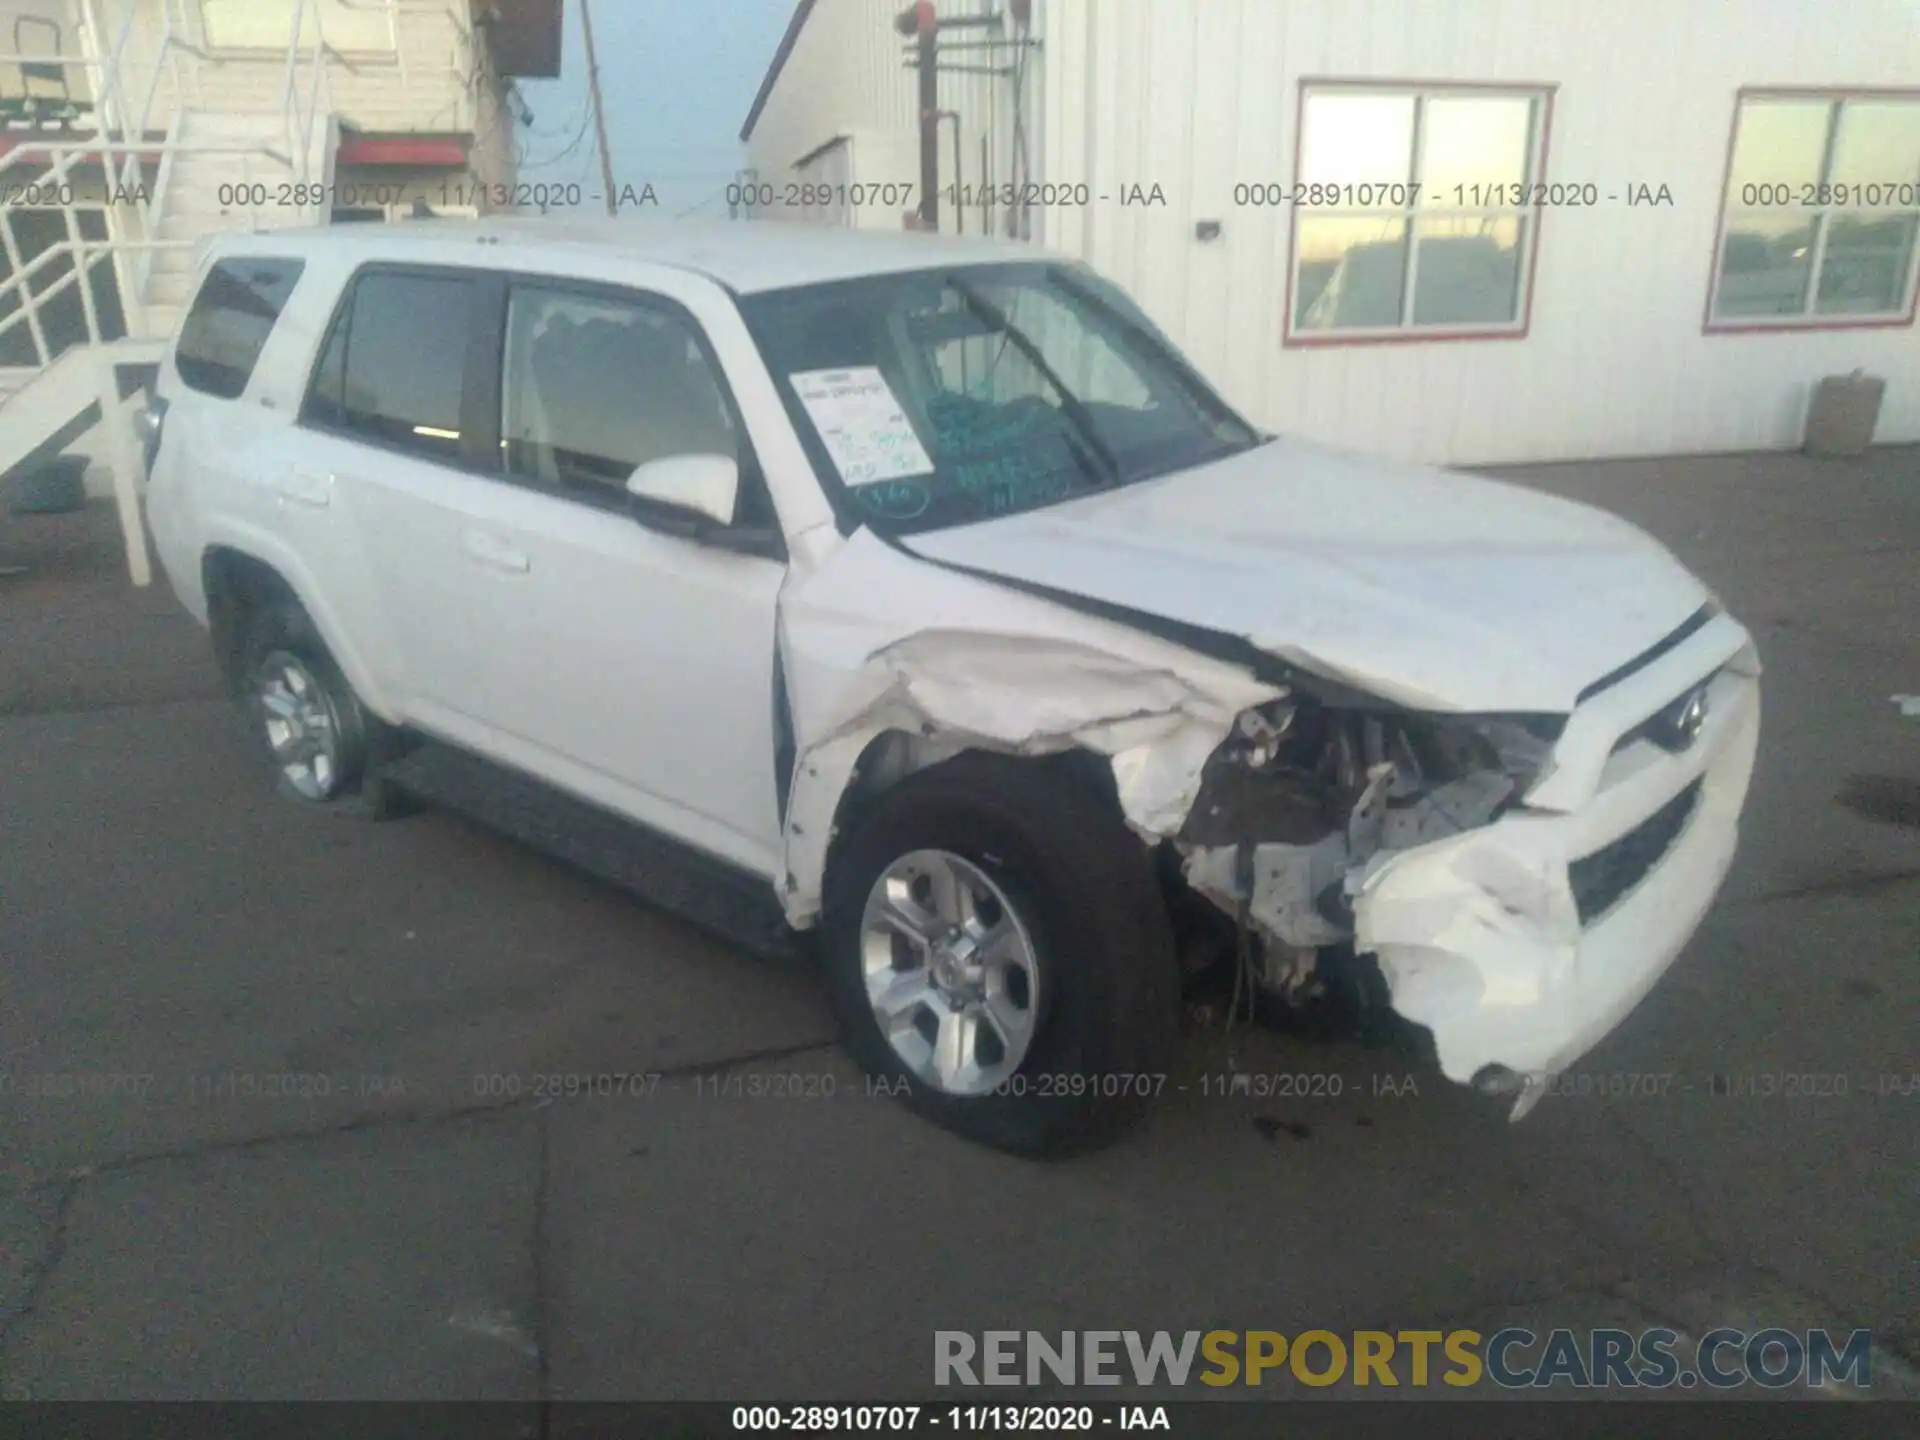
column 1199, row 95
column 848, row 74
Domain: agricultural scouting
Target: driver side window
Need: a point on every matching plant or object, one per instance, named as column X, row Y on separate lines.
column 594, row 387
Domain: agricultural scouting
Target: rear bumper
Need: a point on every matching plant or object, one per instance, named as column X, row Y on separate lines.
column 1481, row 938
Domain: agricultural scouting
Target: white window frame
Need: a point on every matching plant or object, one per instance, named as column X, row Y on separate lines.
column 1811, row 317
column 314, row 8
column 1527, row 216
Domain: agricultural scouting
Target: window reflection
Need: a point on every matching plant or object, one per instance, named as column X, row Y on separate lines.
column 1764, row 266
column 1434, row 235
column 1468, row 272
column 1474, row 144
column 1781, row 142
column 1357, row 140
column 1822, row 210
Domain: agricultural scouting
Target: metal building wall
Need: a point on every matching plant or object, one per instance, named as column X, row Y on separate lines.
column 849, row 74
column 1198, row 95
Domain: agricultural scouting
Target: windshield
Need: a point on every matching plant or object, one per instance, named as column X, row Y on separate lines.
column 940, row 398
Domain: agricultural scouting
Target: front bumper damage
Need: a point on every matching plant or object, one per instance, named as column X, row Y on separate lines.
column 1520, row 934
column 1517, row 919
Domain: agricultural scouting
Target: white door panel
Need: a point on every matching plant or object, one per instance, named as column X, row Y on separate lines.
column 408, row 513
column 635, row 662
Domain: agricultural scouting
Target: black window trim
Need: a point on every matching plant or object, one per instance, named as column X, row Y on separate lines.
column 480, row 402
column 228, row 261
column 491, row 335
column 467, row 460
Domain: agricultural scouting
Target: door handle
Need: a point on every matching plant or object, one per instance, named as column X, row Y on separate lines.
column 303, row 487
column 494, row 552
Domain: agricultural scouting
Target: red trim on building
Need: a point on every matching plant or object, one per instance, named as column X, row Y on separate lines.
column 411, row 150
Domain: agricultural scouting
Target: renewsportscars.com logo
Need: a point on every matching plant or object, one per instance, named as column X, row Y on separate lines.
column 1510, row 1359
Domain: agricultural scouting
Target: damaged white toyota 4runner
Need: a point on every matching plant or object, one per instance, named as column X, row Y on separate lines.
column 919, row 594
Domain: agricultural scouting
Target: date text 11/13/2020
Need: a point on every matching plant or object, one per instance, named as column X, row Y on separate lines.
column 816, row 1085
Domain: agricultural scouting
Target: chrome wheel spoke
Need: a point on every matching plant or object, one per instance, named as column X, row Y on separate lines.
column 899, row 914
column 951, row 972
column 955, row 1067
column 301, row 730
column 952, row 900
column 898, row 998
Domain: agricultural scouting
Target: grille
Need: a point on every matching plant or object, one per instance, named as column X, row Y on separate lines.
column 1599, row 880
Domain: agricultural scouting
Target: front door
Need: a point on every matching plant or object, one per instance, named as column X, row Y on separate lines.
column 630, row 665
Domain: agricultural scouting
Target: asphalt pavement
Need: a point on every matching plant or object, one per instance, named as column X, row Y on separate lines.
column 278, row 1128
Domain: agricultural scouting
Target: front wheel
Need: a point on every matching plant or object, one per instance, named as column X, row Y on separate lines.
column 1000, row 958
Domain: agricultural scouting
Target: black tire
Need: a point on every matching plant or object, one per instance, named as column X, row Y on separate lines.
column 1084, row 888
column 281, row 626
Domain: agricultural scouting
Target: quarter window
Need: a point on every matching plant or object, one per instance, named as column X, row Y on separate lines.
column 594, row 387
column 380, row 378
column 1414, row 210
column 1822, row 211
column 229, row 322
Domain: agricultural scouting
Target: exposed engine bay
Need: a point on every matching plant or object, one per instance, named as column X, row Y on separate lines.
column 1303, row 798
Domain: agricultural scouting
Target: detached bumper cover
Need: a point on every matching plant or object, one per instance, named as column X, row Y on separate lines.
column 1522, row 944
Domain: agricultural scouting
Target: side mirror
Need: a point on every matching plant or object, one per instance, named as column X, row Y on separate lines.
column 707, row 486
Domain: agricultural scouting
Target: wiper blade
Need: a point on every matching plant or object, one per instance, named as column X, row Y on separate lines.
column 1096, row 450
column 1153, row 347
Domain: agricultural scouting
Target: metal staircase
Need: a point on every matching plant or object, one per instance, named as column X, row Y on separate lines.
column 175, row 173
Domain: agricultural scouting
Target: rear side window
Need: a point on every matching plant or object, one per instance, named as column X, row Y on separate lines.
column 392, row 368
column 231, row 318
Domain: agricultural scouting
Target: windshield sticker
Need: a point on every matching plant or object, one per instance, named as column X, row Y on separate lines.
column 862, row 425
column 895, row 499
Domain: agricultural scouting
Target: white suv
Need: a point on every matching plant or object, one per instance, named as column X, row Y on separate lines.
column 917, row 593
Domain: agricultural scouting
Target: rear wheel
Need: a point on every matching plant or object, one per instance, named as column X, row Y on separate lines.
column 318, row 740
column 1000, row 958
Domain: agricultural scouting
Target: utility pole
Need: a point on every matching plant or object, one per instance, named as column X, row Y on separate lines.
column 599, row 110
column 920, row 22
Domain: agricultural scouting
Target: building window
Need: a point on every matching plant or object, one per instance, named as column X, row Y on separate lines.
column 1821, row 212
column 1411, row 211
column 348, row 26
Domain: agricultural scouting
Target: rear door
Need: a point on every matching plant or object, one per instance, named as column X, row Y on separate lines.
column 388, row 421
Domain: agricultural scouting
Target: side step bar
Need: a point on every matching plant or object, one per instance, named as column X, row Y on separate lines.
column 728, row 902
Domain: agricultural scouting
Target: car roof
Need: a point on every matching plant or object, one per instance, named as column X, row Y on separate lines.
column 747, row 256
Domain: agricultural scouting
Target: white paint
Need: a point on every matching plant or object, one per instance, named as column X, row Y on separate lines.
column 1199, row 96
column 456, row 606
column 1440, row 591
column 1909, row 705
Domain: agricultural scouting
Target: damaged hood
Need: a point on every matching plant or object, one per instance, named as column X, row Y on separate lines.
column 1428, row 588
